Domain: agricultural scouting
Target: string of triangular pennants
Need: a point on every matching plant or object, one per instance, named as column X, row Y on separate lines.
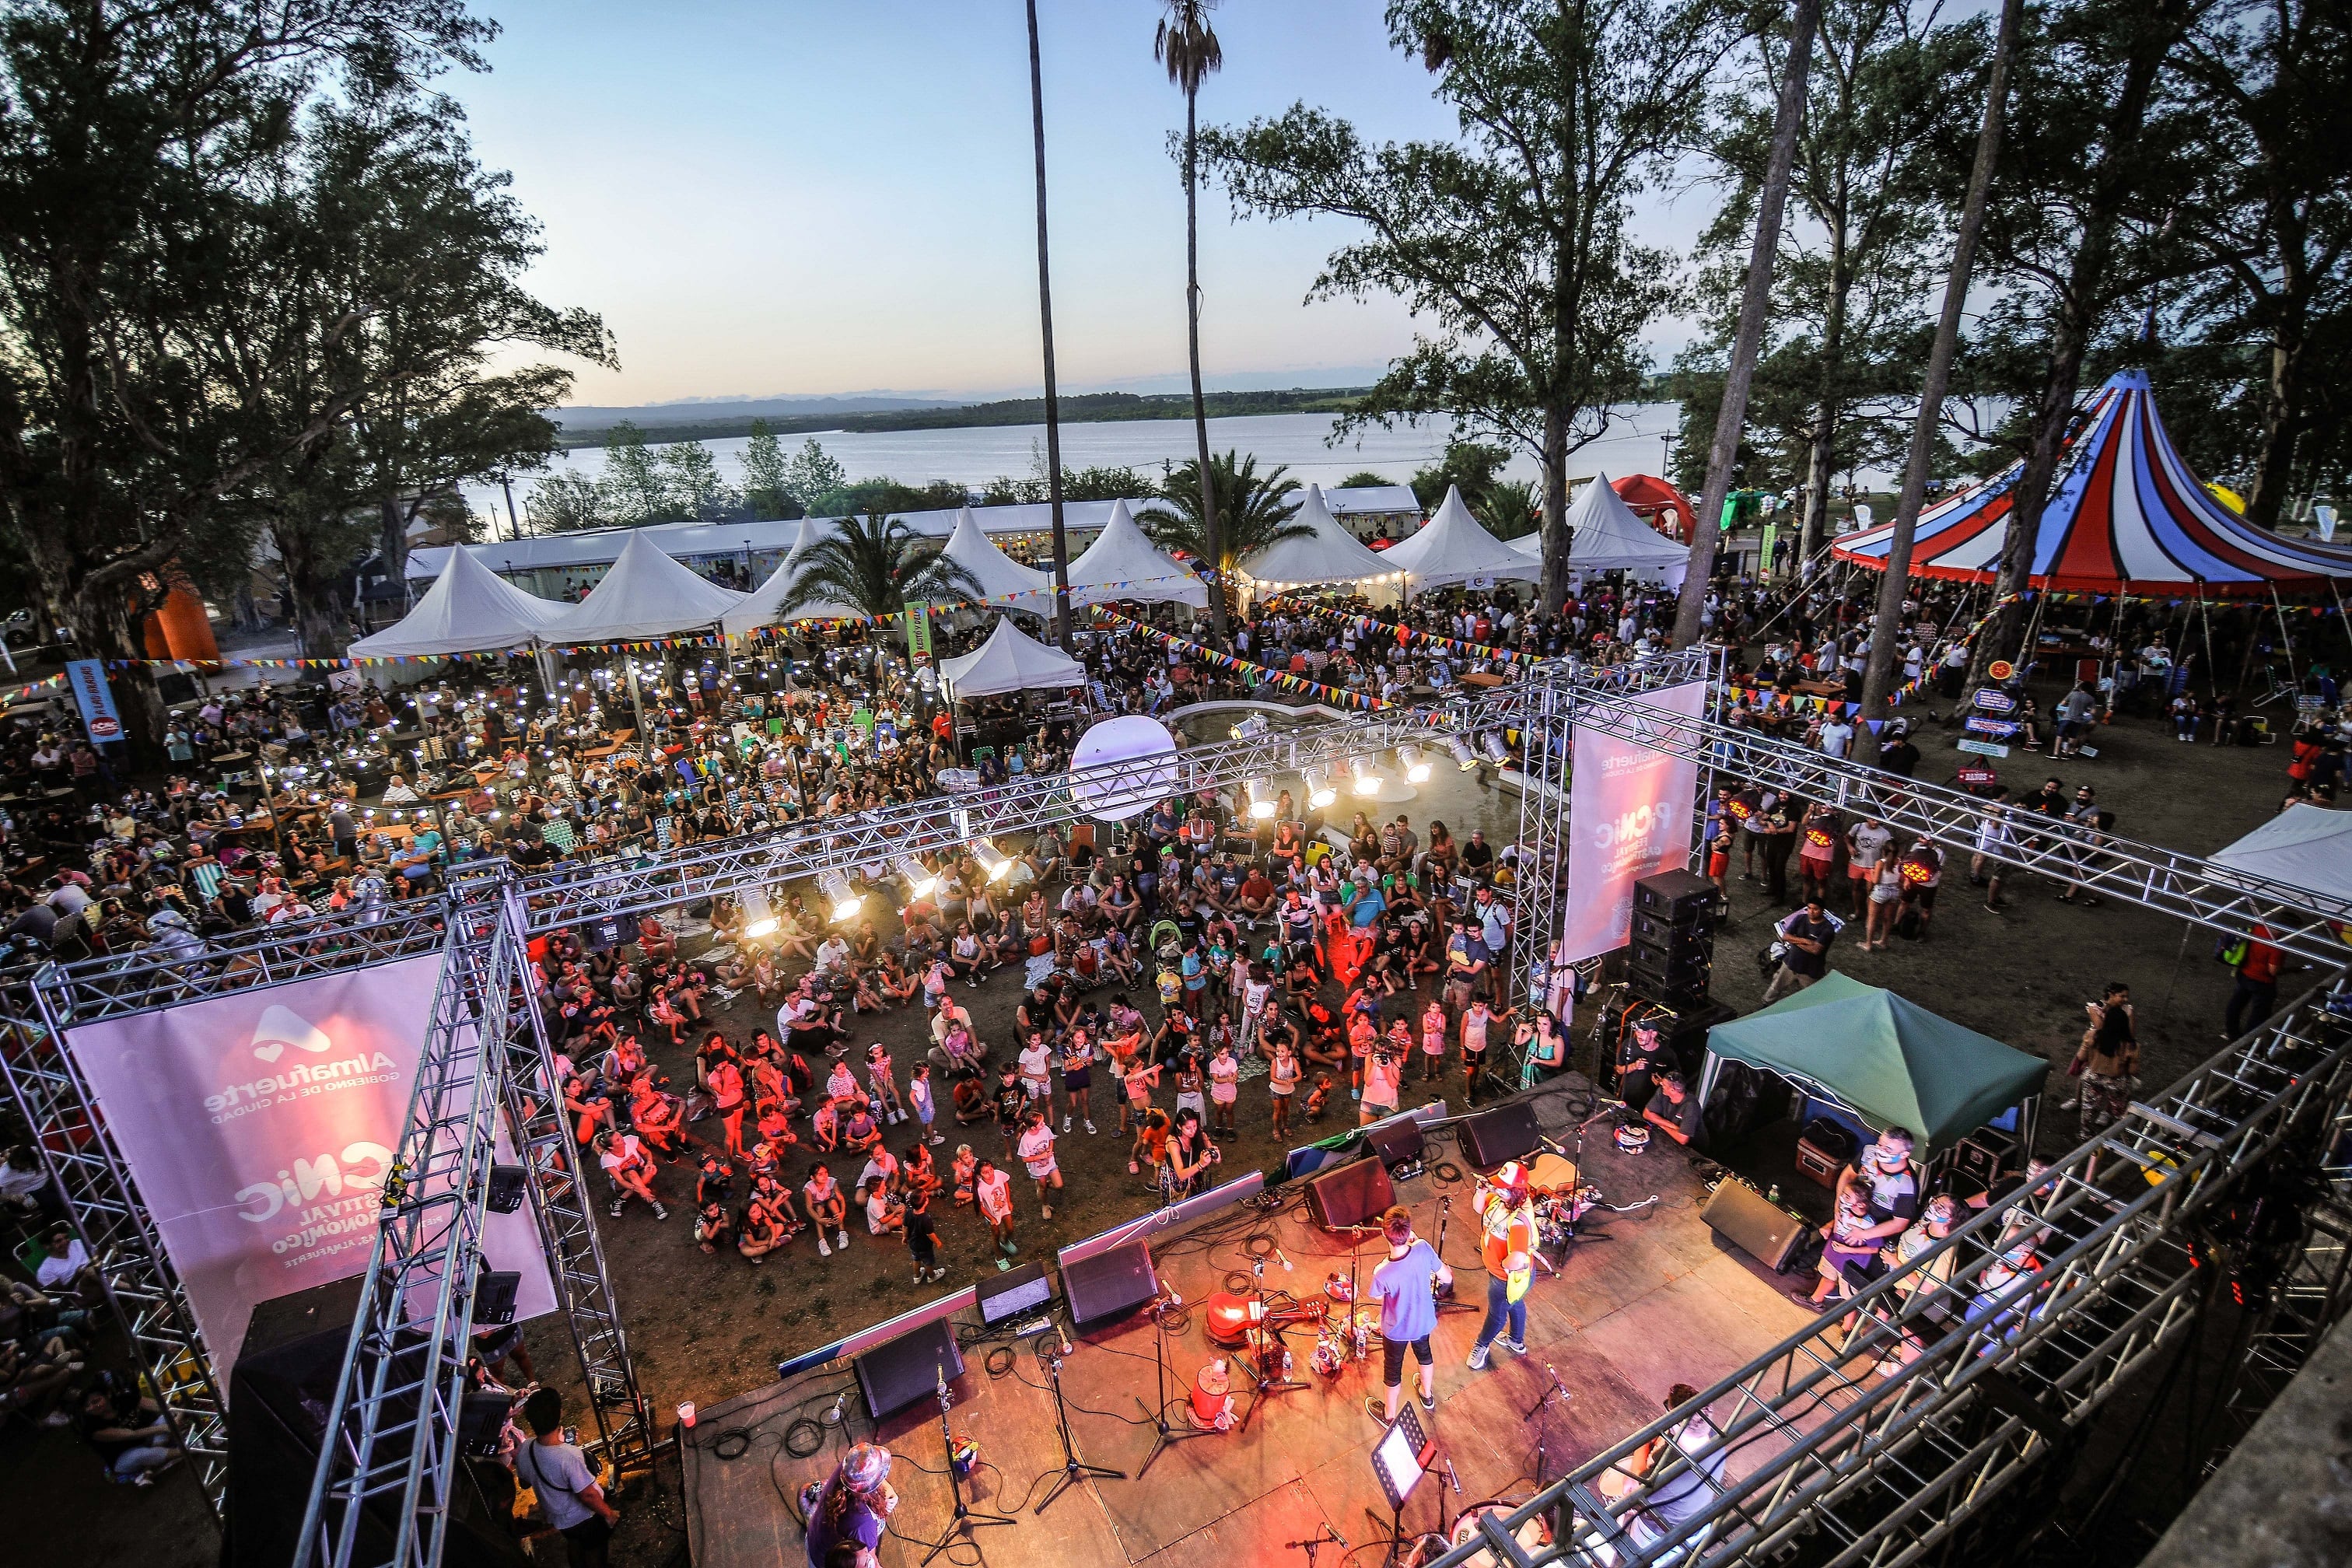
column 1404, row 635
column 1790, row 702
column 1256, row 674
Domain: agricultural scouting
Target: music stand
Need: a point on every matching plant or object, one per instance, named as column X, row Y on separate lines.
column 1400, row 1460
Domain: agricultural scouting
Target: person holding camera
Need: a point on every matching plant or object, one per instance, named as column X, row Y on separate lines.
column 570, row 1496
column 1383, row 1080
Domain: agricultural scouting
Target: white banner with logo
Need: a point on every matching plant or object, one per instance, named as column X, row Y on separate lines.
column 1630, row 814
column 260, row 1127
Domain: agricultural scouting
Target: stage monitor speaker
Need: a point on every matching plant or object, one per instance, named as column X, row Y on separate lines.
column 494, row 1295
column 1762, row 1229
column 898, row 1372
column 1350, row 1194
column 1491, row 1137
column 1683, row 967
column 1397, row 1143
column 1109, row 1285
column 506, row 1192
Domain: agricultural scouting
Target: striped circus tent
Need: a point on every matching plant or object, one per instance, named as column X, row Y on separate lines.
column 2125, row 515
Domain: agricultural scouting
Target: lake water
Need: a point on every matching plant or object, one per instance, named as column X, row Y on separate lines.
column 973, row 456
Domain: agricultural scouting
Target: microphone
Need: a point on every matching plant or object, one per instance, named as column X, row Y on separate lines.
column 1281, row 1260
column 1450, row 1477
column 939, row 1377
column 1065, row 1334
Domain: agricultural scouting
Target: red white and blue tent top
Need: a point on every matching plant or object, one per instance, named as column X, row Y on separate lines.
column 2125, row 513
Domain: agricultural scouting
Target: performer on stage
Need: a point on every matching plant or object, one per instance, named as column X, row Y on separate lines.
column 1508, row 1221
column 853, row 1505
column 1406, row 1286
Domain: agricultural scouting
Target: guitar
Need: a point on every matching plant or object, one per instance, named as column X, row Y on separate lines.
column 1229, row 1320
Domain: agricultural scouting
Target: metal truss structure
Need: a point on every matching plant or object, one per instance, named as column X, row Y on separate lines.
column 1994, row 1372
column 2185, row 887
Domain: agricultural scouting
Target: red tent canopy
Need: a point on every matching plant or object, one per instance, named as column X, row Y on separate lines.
column 1657, row 503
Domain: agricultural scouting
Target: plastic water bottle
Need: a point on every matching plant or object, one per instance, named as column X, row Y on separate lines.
column 1772, row 1195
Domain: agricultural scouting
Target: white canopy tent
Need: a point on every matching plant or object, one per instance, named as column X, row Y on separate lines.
column 2304, row 847
column 763, row 606
column 1010, row 660
column 1122, row 563
column 647, row 594
column 1004, row 582
column 1454, row 550
column 469, row 609
column 1327, row 554
column 1605, row 535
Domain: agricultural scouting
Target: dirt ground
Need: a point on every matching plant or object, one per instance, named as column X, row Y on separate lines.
column 704, row 1328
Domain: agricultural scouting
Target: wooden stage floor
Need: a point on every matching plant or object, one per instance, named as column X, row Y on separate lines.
column 1660, row 1301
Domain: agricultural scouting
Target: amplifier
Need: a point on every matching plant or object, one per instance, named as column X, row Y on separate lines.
column 1399, row 1145
column 1986, row 1155
column 1762, row 1229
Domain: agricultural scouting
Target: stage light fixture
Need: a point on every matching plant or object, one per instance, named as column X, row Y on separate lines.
column 838, row 896
column 1497, row 748
column 1251, row 728
column 758, row 917
column 1317, row 778
column 1365, row 781
column 1416, row 765
column 919, row 882
column 1464, row 757
column 992, row 861
column 1262, row 804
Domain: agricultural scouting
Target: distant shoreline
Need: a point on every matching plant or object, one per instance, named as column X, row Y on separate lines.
column 1087, row 409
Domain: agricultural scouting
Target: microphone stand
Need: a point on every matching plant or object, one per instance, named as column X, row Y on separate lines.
column 966, row 1519
column 1166, row 1436
column 1073, row 1469
column 1553, row 1389
column 1262, row 1383
column 1446, row 1299
column 1327, row 1536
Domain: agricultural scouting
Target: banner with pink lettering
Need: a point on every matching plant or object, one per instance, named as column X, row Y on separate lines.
column 260, row 1127
column 1630, row 814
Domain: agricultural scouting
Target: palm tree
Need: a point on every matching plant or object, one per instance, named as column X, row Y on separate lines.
column 1509, row 509
column 1187, row 47
column 1045, row 330
column 875, row 564
column 1254, row 510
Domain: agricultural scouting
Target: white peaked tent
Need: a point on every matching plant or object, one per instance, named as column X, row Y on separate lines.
column 1010, row 660
column 469, row 609
column 1121, row 563
column 1327, row 554
column 1605, row 535
column 647, row 594
column 1451, row 548
column 1004, row 582
column 763, row 606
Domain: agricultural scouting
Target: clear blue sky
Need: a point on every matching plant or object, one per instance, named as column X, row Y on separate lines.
column 813, row 197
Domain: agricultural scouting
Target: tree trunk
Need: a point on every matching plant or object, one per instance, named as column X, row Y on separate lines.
column 1212, row 523
column 2074, row 322
column 1878, row 675
column 1555, row 510
column 2281, row 412
column 1045, row 328
column 1771, row 200
column 317, row 610
column 392, row 544
column 1823, row 446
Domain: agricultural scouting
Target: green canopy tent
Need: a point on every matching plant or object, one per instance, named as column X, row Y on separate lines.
column 1891, row 1062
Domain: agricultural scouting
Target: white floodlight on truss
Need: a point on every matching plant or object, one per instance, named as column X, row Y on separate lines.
column 839, row 897
column 1464, row 757
column 1414, row 763
column 1262, row 804
column 1251, row 728
column 1365, row 781
column 1317, row 778
column 1497, row 748
column 759, row 916
column 919, row 882
column 992, row 861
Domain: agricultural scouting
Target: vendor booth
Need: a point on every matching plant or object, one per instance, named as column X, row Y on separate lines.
column 1861, row 1059
column 986, row 687
column 2304, row 848
column 1605, row 535
column 1122, row 563
column 1326, row 556
column 469, row 609
column 763, row 606
column 1004, row 582
column 646, row 594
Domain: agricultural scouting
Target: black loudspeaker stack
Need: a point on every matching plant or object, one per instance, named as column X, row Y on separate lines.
column 1109, row 1285
column 896, row 1372
column 1762, row 1229
column 1672, row 957
column 1492, row 1137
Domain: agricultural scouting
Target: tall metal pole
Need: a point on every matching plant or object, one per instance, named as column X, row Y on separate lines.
column 1045, row 328
column 1771, row 202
